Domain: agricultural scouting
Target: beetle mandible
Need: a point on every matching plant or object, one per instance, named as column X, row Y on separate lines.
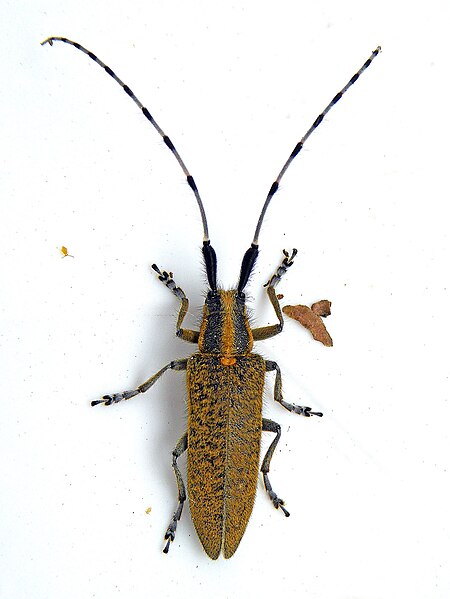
column 225, row 379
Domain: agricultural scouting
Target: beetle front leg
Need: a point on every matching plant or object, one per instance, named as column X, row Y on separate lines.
column 167, row 278
column 116, row 397
column 303, row 410
column 272, row 330
column 271, row 427
column 176, row 453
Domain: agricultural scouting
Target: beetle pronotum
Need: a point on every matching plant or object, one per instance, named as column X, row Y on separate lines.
column 225, row 380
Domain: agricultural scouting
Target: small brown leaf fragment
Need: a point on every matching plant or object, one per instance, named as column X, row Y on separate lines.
column 306, row 317
column 280, row 296
column 322, row 308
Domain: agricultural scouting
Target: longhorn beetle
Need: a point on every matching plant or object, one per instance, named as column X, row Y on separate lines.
column 225, row 379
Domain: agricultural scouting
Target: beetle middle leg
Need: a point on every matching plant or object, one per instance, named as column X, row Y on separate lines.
column 180, row 448
column 116, row 397
column 271, row 427
column 272, row 330
column 167, row 278
column 303, row 410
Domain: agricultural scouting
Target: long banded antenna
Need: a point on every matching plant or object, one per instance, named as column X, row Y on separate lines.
column 299, row 146
column 166, row 138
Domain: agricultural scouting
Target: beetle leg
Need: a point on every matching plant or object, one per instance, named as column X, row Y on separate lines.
column 271, row 427
column 116, row 397
column 287, row 262
column 166, row 278
column 272, row 330
column 303, row 410
column 176, row 453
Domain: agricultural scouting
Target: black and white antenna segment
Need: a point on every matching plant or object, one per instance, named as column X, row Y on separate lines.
column 189, row 178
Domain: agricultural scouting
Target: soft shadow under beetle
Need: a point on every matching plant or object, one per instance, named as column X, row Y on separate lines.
column 224, row 379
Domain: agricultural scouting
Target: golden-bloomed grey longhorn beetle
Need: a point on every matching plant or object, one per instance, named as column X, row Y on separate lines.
column 225, row 380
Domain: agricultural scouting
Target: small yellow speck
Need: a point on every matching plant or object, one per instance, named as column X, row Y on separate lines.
column 64, row 252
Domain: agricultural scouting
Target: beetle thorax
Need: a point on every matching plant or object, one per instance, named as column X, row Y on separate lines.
column 225, row 329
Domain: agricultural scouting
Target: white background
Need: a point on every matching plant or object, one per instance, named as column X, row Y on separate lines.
column 235, row 85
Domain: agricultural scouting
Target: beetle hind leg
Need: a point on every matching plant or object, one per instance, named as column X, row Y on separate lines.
column 271, row 427
column 171, row 529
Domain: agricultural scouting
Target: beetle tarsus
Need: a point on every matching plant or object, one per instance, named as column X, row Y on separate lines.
column 167, row 278
column 287, row 262
column 97, row 402
column 309, row 413
column 302, row 410
column 277, row 502
column 115, row 398
column 170, row 533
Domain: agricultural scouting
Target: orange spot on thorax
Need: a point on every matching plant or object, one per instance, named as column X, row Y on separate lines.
column 227, row 361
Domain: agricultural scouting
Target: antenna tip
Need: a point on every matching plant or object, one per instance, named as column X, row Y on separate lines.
column 49, row 41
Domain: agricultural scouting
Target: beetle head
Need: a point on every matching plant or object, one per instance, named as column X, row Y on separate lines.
column 225, row 329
